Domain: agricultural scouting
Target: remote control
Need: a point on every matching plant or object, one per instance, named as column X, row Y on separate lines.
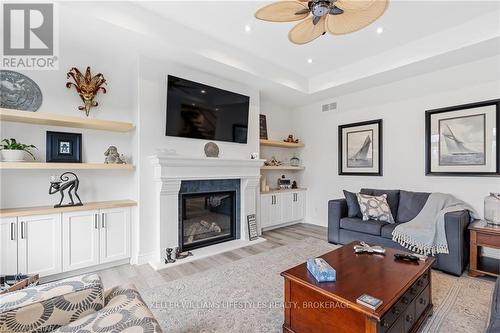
column 406, row 257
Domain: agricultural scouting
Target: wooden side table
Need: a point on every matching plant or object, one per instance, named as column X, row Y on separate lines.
column 483, row 235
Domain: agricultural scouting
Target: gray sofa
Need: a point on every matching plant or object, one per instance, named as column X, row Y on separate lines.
column 494, row 324
column 346, row 225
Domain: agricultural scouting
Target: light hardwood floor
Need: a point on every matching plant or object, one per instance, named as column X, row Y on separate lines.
column 144, row 277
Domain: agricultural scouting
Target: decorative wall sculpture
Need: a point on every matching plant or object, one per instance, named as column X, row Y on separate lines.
column 87, row 87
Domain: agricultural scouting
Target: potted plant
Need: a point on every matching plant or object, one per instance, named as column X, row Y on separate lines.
column 13, row 151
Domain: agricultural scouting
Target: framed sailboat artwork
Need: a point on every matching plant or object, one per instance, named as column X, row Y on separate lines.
column 360, row 149
column 463, row 140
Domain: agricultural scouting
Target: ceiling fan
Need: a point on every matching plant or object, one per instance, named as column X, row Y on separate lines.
column 338, row 17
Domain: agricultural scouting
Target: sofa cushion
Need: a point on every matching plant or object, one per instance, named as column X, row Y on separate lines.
column 352, row 204
column 375, row 208
column 392, row 197
column 387, row 229
column 410, row 204
column 125, row 311
column 371, row 227
column 49, row 306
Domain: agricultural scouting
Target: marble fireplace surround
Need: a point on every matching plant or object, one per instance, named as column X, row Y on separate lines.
column 171, row 170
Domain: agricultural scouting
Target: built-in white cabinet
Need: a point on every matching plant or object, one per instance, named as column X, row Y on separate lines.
column 114, row 234
column 281, row 207
column 63, row 242
column 80, row 239
column 31, row 244
column 8, row 245
column 95, row 237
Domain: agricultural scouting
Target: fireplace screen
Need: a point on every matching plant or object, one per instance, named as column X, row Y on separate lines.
column 207, row 219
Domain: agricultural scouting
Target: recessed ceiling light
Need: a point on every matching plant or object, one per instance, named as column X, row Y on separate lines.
column 380, row 30
column 203, row 91
column 309, row 61
column 248, row 28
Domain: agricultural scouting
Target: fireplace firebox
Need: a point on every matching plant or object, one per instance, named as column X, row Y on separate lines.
column 206, row 219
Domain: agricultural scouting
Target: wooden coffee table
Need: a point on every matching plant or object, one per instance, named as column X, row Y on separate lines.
column 404, row 288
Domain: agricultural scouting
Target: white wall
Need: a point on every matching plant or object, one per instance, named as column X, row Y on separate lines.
column 402, row 107
column 152, row 139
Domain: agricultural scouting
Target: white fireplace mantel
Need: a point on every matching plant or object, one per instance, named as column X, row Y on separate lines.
column 171, row 170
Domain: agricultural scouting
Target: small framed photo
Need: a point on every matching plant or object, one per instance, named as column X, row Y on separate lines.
column 360, row 148
column 463, row 140
column 263, row 127
column 64, row 147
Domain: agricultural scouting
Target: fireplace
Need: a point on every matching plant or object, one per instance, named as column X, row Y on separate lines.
column 206, row 219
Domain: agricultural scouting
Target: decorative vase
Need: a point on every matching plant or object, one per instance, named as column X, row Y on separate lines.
column 9, row 155
column 492, row 208
column 295, row 161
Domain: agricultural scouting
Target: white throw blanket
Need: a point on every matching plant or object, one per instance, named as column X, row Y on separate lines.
column 425, row 234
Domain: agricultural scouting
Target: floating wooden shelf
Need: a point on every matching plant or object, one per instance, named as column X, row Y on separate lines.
column 42, row 210
column 282, row 167
column 41, row 118
column 280, row 144
column 62, row 166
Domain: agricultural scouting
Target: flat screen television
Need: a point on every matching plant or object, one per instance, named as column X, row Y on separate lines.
column 198, row 111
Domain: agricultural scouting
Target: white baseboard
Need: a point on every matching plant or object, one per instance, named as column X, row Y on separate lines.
column 281, row 225
column 145, row 258
column 85, row 270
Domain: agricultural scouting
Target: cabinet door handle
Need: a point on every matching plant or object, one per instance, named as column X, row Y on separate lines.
column 96, row 221
column 102, row 220
column 12, row 230
column 22, row 230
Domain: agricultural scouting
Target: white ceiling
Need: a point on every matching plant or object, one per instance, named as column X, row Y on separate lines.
column 403, row 22
column 419, row 37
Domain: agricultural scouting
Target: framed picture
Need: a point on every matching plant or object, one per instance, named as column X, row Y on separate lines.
column 360, row 148
column 64, row 147
column 463, row 140
column 252, row 227
column 263, row 126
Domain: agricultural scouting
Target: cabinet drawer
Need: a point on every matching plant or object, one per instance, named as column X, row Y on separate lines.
column 409, row 318
column 422, row 301
column 488, row 240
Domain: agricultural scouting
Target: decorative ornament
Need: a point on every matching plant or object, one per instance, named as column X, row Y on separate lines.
column 291, row 139
column 273, row 162
column 295, row 161
column 66, row 183
column 211, row 150
column 87, row 87
column 113, row 157
column 19, row 92
column 168, row 252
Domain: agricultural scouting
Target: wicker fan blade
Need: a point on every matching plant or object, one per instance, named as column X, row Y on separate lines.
column 306, row 31
column 354, row 20
column 282, row 11
column 354, row 4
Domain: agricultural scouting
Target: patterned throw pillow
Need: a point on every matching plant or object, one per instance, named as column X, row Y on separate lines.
column 375, row 208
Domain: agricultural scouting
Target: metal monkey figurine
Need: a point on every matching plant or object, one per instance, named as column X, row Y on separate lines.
column 66, row 183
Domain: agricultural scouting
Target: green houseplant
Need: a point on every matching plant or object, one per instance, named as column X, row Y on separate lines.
column 13, row 151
